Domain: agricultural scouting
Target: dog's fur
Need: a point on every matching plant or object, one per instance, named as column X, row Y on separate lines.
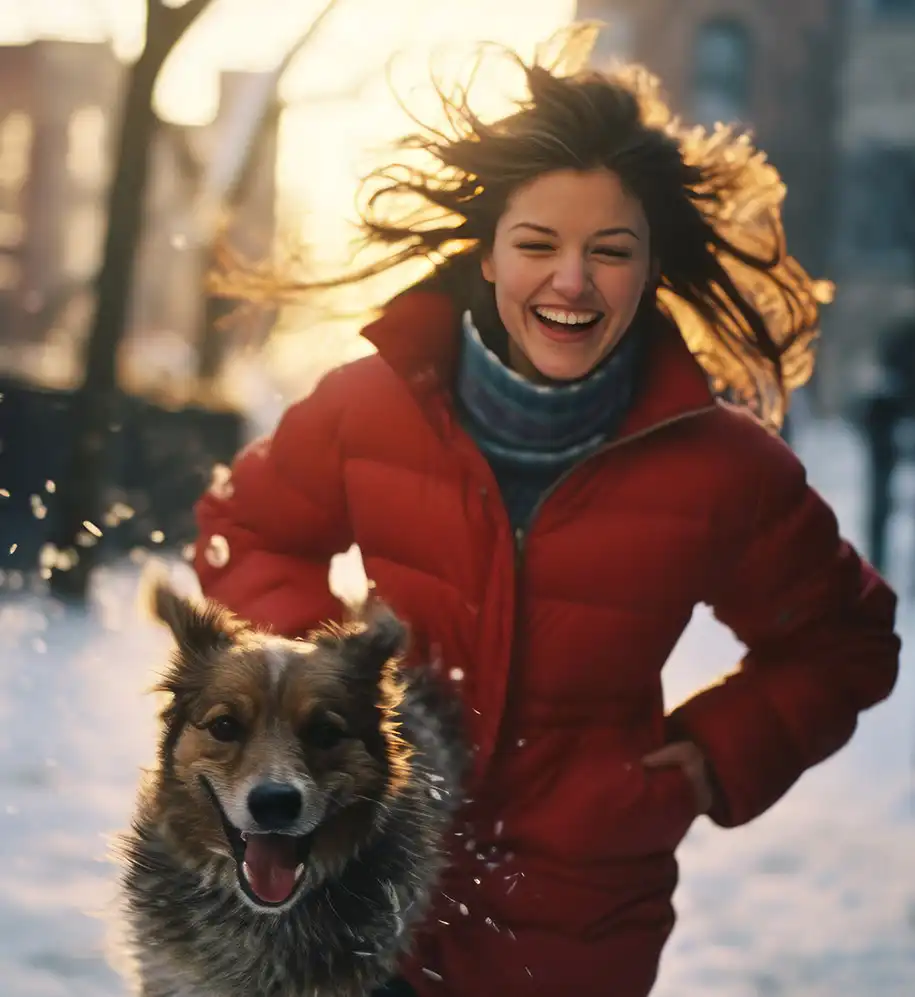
column 375, row 752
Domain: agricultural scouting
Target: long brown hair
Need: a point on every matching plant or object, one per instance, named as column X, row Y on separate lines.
column 746, row 308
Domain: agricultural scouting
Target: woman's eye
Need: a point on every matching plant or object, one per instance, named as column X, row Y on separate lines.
column 535, row 247
column 226, row 728
column 613, row 253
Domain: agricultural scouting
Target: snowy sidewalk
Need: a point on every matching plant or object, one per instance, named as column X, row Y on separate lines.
column 816, row 899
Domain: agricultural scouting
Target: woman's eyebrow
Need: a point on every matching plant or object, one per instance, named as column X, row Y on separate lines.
column 619, row 230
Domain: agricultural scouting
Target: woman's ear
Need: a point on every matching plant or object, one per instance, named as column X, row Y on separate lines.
column 486, row 268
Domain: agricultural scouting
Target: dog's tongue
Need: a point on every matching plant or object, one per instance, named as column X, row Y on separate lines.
column 270, row 865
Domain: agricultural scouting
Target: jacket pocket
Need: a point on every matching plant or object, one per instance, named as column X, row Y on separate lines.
column 591, row 802
column 660, row 813
column 625, row 811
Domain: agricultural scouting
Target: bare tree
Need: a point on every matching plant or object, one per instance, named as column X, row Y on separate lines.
column 81, row 489
column 224, row 184
column 220, row 184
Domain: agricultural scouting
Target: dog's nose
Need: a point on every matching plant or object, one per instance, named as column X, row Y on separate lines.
column 275, row 805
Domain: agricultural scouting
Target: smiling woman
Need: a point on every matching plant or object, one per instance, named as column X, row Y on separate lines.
column 703, row 211
column 541, row 480
column 570, row 262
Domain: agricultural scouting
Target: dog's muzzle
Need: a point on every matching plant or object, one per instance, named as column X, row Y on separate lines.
column 272, row 860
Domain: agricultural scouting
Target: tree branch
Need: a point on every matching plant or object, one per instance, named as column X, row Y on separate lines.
column 95, row 404
column 189, row 163
column 172, row 21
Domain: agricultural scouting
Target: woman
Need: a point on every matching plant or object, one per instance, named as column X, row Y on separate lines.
column 542, row 482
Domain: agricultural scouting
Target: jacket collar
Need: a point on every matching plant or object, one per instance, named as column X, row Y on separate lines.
column 418, row 336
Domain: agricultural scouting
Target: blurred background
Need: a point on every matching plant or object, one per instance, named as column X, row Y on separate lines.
column 267, row 114
column 132, row 134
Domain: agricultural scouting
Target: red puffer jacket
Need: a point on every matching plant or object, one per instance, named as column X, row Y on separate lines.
column 563, row 862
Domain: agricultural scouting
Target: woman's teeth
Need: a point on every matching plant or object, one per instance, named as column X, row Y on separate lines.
column 566, row 318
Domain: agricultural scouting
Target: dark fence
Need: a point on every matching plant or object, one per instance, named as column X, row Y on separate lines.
column 160, row 461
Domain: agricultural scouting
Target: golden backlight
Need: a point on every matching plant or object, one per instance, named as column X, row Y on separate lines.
column 340, row 111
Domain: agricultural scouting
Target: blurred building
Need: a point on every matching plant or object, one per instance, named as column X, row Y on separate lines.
column 58, row 118
column 774, row 66
column 176, row 330
column 56, row 102
column 875, row 258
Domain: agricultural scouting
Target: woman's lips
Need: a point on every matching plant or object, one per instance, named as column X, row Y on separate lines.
column 565, row 332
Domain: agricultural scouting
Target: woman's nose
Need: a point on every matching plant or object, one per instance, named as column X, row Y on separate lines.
column 571, row 277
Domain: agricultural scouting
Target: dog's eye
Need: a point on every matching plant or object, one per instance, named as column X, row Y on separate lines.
column 226, row 728
column 324, row 732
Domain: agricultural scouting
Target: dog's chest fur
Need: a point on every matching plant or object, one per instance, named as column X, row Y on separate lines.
column 207, row 941
column 194, row 938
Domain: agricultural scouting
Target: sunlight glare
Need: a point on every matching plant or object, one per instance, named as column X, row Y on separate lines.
column 340, row 113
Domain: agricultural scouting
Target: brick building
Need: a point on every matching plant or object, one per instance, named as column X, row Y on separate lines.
column 56, row 100
column 58, row 114
column 875, row 258
column 775, row 67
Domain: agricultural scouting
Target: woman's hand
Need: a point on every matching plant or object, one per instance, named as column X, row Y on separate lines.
column 691, row 759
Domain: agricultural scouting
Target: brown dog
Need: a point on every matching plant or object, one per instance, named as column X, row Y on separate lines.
column 291, row 834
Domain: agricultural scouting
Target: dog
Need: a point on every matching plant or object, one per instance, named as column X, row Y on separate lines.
column 290, row 837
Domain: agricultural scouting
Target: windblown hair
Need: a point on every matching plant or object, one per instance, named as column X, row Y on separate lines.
column 745, row 307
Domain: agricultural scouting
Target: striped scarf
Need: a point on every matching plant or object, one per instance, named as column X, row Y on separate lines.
column 533, row 433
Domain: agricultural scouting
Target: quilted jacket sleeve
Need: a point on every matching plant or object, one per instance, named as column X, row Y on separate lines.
column 266, row 536
column 818, row 625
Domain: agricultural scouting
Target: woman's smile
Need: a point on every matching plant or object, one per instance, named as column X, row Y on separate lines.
column 569, row 265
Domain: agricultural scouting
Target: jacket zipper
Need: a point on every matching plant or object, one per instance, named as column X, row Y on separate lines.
column 521, row 533
column 520, row 539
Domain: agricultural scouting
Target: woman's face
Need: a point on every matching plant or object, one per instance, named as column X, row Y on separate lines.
column 569, row 263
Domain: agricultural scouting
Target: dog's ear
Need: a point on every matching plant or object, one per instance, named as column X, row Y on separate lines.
column 199, row 628
column 380, row 637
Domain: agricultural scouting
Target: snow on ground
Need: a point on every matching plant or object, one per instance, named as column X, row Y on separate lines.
column 817, row 898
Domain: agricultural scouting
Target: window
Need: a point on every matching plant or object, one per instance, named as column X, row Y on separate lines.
column 722, row 73
column 894, row 7
column 879, row 206
column 82, row 241
column 15, row 149
column 86, row 146
column 10, row 273
column 12, row 229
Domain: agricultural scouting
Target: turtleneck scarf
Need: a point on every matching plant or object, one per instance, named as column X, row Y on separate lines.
column 531, row 433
